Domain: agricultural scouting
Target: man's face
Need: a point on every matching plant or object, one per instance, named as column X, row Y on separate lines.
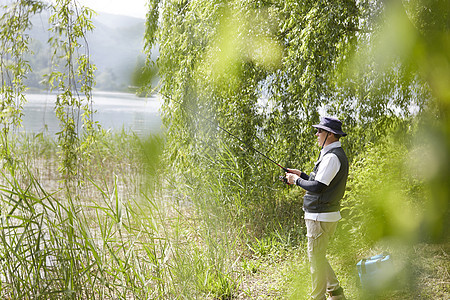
column 321, row 136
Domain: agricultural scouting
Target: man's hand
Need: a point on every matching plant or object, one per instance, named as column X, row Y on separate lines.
column 292, row 177
column 295, row 171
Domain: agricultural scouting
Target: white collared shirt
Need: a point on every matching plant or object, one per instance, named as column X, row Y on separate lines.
column 327, row 170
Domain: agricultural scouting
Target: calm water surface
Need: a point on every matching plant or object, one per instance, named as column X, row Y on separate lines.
column 115, row 111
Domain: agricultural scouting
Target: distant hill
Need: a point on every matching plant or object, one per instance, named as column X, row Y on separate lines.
column 115, row 47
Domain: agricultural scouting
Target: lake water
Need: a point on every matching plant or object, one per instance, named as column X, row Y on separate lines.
column 115, row 111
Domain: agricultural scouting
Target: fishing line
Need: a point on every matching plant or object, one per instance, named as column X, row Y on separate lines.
column 229, row 133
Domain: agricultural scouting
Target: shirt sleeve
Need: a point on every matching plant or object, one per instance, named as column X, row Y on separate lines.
column 328, row 168
column 313, row 186
column 304, row 176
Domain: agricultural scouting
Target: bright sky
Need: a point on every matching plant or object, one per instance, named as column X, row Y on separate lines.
column 133, row 8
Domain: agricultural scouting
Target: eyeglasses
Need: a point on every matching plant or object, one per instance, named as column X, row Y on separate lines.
column 319, row 131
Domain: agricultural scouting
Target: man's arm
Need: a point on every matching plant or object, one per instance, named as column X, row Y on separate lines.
column 299, row 173
column 312, row 186
column 303, row 181
column 304, row 176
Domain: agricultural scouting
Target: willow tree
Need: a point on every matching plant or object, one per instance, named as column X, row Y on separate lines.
column 13, row 68
column 71, row 73
column 266, row 70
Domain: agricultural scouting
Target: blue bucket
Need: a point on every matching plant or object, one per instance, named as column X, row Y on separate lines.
column 376, row 272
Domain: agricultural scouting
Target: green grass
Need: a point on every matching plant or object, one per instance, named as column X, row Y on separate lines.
column 126, row 232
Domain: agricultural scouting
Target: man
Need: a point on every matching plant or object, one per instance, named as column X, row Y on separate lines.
column 325, row 187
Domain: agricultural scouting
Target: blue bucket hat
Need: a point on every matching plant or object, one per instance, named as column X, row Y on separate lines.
column 331, row 125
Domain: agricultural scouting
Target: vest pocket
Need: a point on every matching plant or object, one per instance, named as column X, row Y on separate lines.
column 311, row 202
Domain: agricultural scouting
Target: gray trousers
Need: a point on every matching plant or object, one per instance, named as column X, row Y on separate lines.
column 323, row 277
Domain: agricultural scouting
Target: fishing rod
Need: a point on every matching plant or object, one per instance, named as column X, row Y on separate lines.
column 252, row 148
column 239, row 139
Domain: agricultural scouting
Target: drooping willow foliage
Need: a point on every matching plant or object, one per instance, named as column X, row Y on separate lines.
column 266, row 71
column 70, row 75
column 14, row 45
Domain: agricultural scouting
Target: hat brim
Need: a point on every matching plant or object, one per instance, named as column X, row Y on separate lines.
column 341, row 133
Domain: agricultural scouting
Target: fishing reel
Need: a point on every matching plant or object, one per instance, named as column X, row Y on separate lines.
column 284, row 179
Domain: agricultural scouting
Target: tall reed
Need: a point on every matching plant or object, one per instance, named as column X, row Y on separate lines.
column 102, row 242
column 118, row 234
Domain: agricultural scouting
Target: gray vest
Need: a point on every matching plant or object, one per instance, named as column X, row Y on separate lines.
column 330, row 198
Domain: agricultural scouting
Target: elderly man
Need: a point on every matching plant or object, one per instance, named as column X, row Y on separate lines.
column 325, row 187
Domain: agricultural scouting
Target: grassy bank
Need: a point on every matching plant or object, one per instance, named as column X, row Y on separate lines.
column 127, row 230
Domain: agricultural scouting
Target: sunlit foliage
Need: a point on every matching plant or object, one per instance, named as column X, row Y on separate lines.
column 265, row 71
